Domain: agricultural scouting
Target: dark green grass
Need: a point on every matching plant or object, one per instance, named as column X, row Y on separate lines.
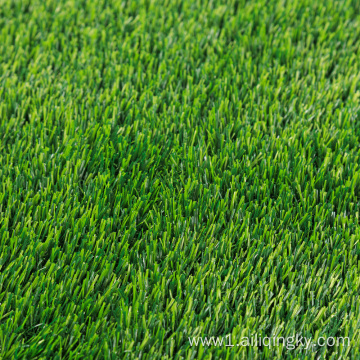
column 172, row 169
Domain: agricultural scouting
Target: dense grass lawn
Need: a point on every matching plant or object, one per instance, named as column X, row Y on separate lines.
column 174, row 169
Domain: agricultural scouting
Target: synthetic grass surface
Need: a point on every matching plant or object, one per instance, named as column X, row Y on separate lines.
column 173, row 169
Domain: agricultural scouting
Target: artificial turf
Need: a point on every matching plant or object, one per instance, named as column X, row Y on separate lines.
column 172, row 169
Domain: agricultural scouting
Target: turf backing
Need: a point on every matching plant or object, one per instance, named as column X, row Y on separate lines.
column 173, row 169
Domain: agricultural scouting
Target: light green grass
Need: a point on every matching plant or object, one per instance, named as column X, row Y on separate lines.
column 173, row 169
